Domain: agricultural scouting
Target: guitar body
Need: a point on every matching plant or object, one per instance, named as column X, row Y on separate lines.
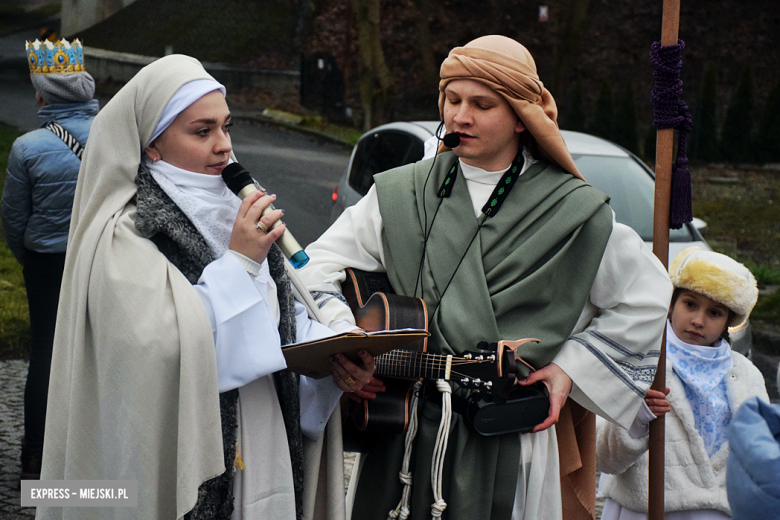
column 375, row 307
column 491, row 370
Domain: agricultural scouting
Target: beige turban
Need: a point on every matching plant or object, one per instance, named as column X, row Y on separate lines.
column 508, row 68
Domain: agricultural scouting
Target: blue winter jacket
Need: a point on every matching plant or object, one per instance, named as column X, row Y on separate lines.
column 42, row 173
column 753, row 468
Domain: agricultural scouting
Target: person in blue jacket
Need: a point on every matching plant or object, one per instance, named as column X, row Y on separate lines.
column 753, row 469
column 36, row 205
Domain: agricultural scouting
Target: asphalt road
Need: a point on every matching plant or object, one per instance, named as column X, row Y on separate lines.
column 301, row 170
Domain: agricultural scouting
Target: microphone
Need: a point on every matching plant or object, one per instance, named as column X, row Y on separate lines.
column 451, row 140
column 241, row 183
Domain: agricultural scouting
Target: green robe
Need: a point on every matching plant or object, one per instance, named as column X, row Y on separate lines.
column 527, row 274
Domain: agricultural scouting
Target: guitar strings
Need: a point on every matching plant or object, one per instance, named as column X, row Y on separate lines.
column 400, row 363
column 392, row 356
column 443, row 357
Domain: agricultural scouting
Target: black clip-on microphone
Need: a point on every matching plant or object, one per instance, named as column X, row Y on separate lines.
column 241, row 183
column 451, row 140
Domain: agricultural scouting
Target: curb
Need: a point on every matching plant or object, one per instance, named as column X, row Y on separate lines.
column 290, row 126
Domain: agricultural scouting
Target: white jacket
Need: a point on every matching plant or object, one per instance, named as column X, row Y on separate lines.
column 692, row 479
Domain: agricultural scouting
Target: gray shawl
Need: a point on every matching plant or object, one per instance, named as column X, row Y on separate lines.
column 176, row 237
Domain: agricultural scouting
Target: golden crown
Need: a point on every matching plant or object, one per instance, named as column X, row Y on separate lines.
column 55, row 58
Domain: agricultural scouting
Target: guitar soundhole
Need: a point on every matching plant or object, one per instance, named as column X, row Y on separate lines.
column 376, row 284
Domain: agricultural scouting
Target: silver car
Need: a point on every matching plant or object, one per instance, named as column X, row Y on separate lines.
column 608, row 167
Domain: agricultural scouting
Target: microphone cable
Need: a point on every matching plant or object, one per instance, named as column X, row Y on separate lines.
column 426, row 230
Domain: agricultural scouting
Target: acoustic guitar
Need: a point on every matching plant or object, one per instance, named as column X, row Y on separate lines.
column 490, row 368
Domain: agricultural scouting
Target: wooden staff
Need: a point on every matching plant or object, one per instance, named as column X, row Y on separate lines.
column 663, row 188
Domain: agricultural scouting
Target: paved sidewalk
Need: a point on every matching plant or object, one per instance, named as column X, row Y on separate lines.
column 12, row 377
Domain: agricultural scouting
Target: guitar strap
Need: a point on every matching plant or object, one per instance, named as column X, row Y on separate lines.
column 67, row 138
column 490, row 209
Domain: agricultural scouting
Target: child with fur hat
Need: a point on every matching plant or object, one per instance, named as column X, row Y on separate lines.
column 708, row 383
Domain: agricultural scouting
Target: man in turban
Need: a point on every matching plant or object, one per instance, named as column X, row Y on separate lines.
column 503, row 240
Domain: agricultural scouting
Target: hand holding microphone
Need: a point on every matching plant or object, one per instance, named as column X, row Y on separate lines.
column 241, row 183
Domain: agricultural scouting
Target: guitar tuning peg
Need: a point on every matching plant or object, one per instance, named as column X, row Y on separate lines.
column 464, row 381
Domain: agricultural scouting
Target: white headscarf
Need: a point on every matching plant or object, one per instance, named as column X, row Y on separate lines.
column 188, row 94
column 133, row 390
column 205, row 199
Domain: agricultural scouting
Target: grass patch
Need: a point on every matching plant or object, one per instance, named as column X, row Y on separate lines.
column 345, row 133
column 742, row 209
column 252, row 100
column 765, row 274
column 744, row 206
column 14, row 316
column 767, row 309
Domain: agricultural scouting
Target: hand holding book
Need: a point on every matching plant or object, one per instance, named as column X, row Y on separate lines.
column 312, row 358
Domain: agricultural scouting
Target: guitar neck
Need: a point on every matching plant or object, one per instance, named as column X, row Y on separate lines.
column 408, row 364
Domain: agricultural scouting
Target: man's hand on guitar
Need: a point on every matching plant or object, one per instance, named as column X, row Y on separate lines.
column 558, row 385
column 356, row 381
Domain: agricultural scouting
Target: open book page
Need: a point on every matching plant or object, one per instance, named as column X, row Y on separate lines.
column 394, row 331
column 312, row 358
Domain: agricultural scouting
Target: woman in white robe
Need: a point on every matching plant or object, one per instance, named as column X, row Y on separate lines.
column 173, row 301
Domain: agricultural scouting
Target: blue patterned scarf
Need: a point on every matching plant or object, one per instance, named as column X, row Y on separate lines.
column 702, row 370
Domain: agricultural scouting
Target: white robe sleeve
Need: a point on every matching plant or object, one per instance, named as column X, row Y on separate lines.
column 247, row 339
column 613, row 353
column 245, row 334
column 615, row 345
column 318, row 397
column 354, row 240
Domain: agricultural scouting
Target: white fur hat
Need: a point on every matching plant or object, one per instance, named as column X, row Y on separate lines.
column 717, row 277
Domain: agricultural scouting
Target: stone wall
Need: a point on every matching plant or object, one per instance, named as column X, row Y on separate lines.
column 121, row 66
column 78, row 15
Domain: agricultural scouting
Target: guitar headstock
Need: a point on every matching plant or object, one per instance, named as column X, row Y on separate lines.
column 485, row 369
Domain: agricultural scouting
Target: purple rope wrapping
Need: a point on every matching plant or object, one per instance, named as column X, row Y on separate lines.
column 671, row 112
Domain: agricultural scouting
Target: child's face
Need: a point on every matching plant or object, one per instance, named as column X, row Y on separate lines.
column 198, row 140
column 698, row 320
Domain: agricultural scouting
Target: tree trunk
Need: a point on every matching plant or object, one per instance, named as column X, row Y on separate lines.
column 302, row 23
column 575, row 21
column 430, row 74
column 376, row 83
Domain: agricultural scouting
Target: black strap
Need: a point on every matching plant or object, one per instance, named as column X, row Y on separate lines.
column 67, row 138
column 500, row 192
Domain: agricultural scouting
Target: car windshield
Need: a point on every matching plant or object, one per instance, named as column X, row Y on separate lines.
column 379, row 152
column 631, row 190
